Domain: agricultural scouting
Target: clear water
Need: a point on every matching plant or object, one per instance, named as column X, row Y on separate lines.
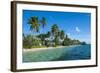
column 59, row 54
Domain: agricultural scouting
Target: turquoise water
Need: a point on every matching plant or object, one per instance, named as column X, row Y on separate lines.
column 59, row 54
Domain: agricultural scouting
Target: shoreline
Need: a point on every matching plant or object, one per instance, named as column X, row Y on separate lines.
column 39, row 49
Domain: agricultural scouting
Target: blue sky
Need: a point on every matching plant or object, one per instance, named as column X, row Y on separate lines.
column 76, row 25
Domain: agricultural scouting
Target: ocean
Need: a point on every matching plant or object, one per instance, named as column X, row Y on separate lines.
column 78, row 52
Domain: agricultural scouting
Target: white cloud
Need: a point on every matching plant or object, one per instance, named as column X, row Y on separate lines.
column 77, row 29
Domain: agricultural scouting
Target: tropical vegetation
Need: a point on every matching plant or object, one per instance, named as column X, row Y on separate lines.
column 53, row 38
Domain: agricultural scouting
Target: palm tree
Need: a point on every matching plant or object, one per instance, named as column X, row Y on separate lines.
column 48, row 34
column 55, row 30
column 56, row 41
column 66, row 41
column 62, row 34
column 34, row 23
column 43, row 21
column 55, row 34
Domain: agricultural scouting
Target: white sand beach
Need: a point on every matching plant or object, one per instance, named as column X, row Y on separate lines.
column 38, row 49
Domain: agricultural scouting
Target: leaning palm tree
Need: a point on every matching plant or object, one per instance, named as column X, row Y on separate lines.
column 43, row 22
column 34, row 23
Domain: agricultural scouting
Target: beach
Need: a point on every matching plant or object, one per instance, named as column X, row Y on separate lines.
column 45, row 48
column 39, row 49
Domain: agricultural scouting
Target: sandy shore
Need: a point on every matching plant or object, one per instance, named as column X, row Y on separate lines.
column 38, row 49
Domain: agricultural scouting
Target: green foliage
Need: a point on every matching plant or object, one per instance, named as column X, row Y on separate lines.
column 34, row 23
column 42, row 37
column 66, row 41
column 56, row 40
column 62, row 34
column 29, row 41
column 55, row 30
column 76, row 42
column 44, row 40
column 47, row 43
column 36, row 42
column 48, row 34
column 35, row 47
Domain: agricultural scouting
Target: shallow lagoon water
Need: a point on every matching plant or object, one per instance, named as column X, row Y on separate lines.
column 80, row 52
